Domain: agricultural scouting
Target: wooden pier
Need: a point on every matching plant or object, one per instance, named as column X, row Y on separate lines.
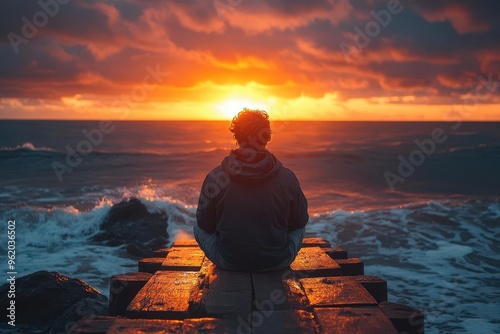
column 180, row 291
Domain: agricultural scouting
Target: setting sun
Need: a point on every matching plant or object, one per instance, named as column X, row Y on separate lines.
column 231, row 107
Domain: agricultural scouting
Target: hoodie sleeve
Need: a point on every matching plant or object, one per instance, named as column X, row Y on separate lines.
column 206, row 213
column 298, row 210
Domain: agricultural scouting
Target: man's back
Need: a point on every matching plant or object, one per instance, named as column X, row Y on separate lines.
column 256, row 207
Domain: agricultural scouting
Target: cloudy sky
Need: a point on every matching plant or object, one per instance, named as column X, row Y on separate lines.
column 298, row 59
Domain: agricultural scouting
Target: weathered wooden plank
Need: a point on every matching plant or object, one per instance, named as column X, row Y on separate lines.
column 314, row 262
column 123, row 288
column 405, row 319
column 228, row 294
column 296, row 296
column 376, row 286
column 92, row 325
column 184, row 259
column 336, row 253
column 280, row 304
column 133, row 326
column 276, row 321
column 210, row 325
column 269, row 290
column 165, row 296
column 297, row 299
column 162, row 252
column 185, row 243
column 354, row 320
column 196, row 308
column 150, row 264
column 335, row 291
column 315, row 242
column 351, row 266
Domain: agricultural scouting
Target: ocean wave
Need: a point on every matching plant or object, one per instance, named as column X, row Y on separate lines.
column 473, row 147
column 47, row 227
column 28, row 147
column 58, row 224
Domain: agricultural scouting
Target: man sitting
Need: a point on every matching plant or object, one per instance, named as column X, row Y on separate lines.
column 252, row 212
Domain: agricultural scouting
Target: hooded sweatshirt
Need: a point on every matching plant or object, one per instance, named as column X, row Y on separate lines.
column 251, row 202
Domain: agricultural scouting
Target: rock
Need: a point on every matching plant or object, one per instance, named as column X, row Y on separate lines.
column 129, row 223
column 405, row 319
column 145, row 249
column 44, row 297
column 87, row 307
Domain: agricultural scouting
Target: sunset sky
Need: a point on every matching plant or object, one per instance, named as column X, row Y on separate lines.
column 297, row 59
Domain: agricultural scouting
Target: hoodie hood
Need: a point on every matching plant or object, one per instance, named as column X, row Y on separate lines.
column 248, row 163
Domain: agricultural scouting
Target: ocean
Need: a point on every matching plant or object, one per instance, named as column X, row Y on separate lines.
column 418, row 202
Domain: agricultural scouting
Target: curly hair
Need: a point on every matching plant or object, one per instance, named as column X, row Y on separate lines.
column 251, row 126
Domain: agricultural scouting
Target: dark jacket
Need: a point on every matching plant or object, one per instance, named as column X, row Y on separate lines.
column 251, row 202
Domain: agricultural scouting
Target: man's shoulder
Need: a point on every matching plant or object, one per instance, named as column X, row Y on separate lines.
column 217, row 175
column 215, row 172
column 288, row 175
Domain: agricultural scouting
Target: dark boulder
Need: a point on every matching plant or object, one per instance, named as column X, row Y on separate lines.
column 85, row 308
column 43, row 297
column 129, row 223
column 145, row 249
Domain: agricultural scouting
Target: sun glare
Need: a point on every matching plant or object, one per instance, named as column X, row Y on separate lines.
column 230, row 108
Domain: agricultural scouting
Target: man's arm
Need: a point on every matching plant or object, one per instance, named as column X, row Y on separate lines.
column 206, row 211
column 298, row 211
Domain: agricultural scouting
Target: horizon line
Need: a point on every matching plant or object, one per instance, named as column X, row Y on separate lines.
column 229, row 120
